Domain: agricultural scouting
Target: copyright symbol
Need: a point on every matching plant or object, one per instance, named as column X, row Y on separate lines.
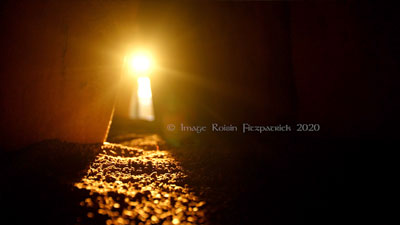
column 171, row 127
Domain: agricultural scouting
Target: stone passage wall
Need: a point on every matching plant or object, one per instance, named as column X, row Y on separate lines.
column 60, row 68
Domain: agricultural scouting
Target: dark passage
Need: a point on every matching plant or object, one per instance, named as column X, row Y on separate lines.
column 229, row 78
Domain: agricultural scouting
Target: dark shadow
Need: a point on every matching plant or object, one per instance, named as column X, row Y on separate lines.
column 37, row 182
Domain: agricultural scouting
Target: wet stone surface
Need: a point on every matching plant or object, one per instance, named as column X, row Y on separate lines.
column 130, row 185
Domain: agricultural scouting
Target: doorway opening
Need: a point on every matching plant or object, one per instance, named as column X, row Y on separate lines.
column 141, row 104
column 134, row 109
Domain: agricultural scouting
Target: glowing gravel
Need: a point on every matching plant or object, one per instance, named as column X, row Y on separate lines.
column 135, row 186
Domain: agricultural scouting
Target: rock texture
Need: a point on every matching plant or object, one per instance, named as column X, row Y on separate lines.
column 129, row 185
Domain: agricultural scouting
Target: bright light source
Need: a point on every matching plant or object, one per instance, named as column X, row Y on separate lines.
column 142, row 101
column 140, row 63
column 144, row 88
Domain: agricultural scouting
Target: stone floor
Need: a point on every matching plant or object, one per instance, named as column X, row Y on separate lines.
column 205, row 180
column 139, row 183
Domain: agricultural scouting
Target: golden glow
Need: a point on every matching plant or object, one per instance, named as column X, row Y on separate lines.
column 175, row 221
column 140, row 63
column 142, row 100
column 142, row 184
column 144, row 88
column 145, row 99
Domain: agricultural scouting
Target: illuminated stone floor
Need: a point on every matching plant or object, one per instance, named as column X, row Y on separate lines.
column 140, row 184
column 243, row 182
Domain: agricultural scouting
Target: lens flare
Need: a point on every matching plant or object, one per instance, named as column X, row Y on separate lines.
column 140, row 63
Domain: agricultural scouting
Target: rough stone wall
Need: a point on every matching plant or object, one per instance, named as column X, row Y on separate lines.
column 60, row 68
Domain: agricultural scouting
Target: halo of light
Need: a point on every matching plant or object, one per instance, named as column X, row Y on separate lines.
column 140, row 63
